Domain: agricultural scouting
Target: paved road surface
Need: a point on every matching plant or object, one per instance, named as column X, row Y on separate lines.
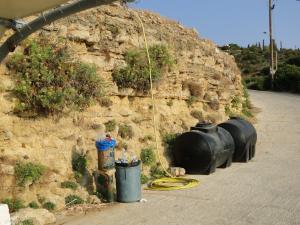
column 265, row 191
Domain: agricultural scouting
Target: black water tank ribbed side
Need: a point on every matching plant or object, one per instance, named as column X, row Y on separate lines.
column 203, row 149
column 244, row 136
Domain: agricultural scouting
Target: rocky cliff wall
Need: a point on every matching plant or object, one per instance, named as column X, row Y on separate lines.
column 101, row 36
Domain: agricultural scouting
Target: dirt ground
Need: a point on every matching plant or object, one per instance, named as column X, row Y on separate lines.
column 265, row 191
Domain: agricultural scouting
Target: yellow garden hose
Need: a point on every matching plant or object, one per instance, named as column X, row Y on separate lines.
column 172, row 183
column 167, row 183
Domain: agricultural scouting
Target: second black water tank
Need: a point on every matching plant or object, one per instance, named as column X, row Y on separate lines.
column 244, row 136
column 203, row 149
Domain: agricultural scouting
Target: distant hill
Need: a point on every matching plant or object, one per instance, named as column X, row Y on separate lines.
column 254, row 64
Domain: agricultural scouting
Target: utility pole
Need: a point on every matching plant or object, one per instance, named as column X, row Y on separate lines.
column 272, row 71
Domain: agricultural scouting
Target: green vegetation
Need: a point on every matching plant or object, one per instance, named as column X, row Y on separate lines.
column 113, row 29
column 73, row 200
column 126, row 131
column 28, row 172
column 157, row 172
column 69, row 184
column 13, row 204
column 288, row 78
column 144, row 179
column 26, row 222
column 79, row 164
column 136, row 73
column 33, row 205
column 49, row 81
column 110, row 125
column 148, row 156
column 228, row 111
column 49, row 206
column 191, row 100
column 236, row 101
column 169, row 141
column 254, row 64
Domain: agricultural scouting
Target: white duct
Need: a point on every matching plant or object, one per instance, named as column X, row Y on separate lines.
column 12, row 9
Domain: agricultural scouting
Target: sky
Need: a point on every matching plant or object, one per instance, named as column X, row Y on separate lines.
column 233, row 21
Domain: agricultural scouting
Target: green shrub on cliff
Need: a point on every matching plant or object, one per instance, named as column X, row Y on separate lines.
column 136, row 73
column 148, row 156
column 28, row 172
column 14, row 205
column 48, row 80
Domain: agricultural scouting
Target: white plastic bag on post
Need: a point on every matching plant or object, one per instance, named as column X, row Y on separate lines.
column 4, row 215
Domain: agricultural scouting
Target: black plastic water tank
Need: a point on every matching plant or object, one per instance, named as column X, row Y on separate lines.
column 203, row 149
column 244, row 136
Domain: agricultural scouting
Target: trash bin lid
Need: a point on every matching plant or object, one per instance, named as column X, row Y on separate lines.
column 104, row 145
column 132, row 164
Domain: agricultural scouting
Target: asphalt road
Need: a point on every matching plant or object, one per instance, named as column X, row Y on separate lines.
column 265, row 191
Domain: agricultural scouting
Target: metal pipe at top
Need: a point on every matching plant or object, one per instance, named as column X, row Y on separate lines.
column 63, row 11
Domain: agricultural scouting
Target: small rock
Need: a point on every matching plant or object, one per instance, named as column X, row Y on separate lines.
column 93, row 199
column 4, row 215
column 7, row 169
column 38, row 216
column 125, row 112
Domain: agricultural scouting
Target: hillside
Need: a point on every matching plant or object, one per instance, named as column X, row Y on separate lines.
column 203, row 83
column 253, row 61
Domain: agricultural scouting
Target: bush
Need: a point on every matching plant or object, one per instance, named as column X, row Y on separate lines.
column 157, row 172
column 28, row 172
column 197, row 115
column 235, row 101
column 294, row 61
column 287, row 78
column 246, row 104
column 69, row 184
column 126, row 131
column 228, row 111
column 79, row 163
column 257, row 82
column 148, row 156
column 136, row 74
column 26, row 222
column 33, row 205
column 169, row 139
column 110, row 125
column 14, row 204
column 144, row 179
column 73, row 200
column 48, row 80
column 49, row 206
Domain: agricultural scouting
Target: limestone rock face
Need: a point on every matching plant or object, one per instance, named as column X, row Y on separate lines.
column 101, row 36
